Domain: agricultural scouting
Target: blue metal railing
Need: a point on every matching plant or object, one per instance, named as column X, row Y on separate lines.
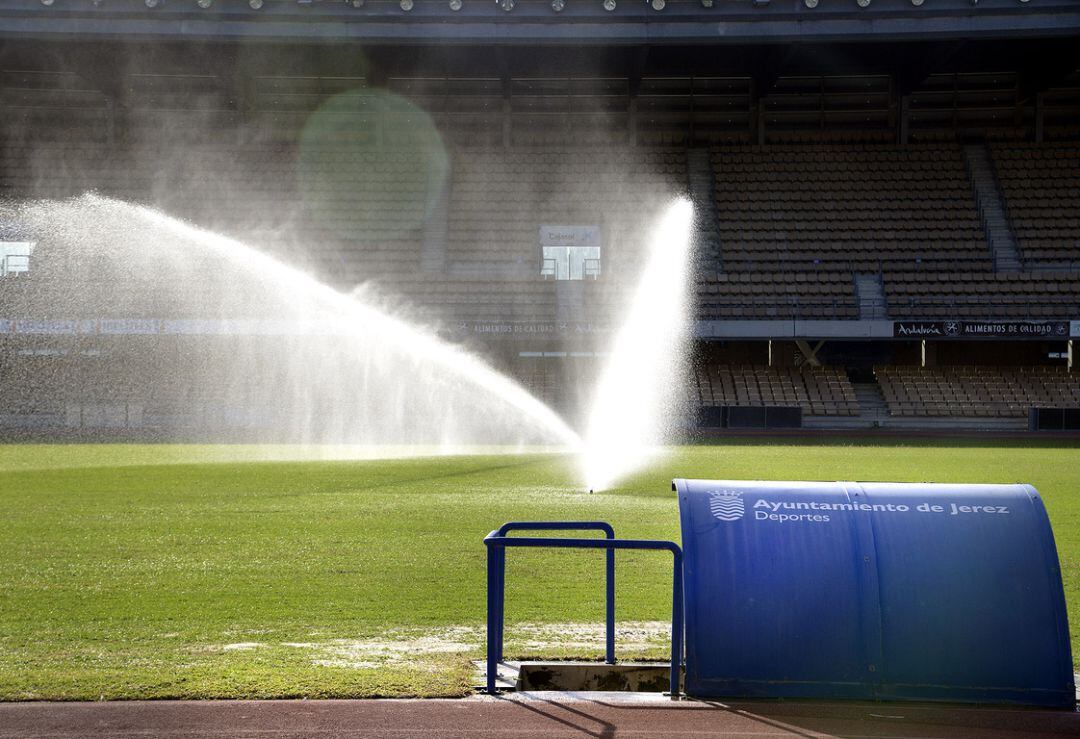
column 497, row 542
column 500, row 585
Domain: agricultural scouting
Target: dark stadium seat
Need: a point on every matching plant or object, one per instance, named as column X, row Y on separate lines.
column 976, row 391
column 940, row 294
column 817, row 294
column 853, row 208
column 818, row 391
column 1041, row 185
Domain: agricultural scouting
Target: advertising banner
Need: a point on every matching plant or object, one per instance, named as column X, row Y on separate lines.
column 981, row 329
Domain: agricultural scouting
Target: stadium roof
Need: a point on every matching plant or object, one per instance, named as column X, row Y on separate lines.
column 515, row 21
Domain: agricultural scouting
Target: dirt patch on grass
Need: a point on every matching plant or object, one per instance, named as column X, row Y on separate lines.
column 241, row 646
column 425, row 648
column 395, row 648
column 630, row 636
column 421, row 647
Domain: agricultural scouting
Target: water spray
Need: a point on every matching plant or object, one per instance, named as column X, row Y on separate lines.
column 635, row 403
column 354, row 375
column 318, row 367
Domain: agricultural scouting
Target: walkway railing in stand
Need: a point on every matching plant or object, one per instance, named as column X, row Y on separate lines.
column 497, row 542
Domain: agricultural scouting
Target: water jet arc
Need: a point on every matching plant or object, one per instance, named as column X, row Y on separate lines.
column 635, row 406
column 333, row 369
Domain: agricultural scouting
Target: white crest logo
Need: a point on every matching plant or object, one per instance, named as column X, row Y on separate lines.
column 726, row 505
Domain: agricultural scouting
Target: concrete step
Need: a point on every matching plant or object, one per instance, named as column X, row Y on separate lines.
column 999, row 235
column 837, row 422
column 870, row 296
column 577, row 676
column 957, row 423
column 915, row 423
column 872, row 406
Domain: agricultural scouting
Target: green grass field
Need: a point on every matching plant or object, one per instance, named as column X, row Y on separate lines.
column 142, row 572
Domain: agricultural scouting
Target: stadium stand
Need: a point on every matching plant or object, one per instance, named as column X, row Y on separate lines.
column 442, row 298
column 63, row 170
column 1041, row 184
column 786, row 265
column 847, row 207
column 1060, row 106
column 544, row 381
column 976, row 390
column 930, row 293
column 753, row 294
column 852, row 197
column 967, row 105
column 352, row 212
column 819, row 391
column 498, row 200
column 32, row 99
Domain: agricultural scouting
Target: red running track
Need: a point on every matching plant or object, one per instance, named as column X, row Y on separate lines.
column 522, row 716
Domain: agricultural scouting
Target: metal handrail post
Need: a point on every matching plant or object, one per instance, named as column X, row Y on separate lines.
column 500, row 598
column 609, row 624
column 676, row 623
column 493, row 612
